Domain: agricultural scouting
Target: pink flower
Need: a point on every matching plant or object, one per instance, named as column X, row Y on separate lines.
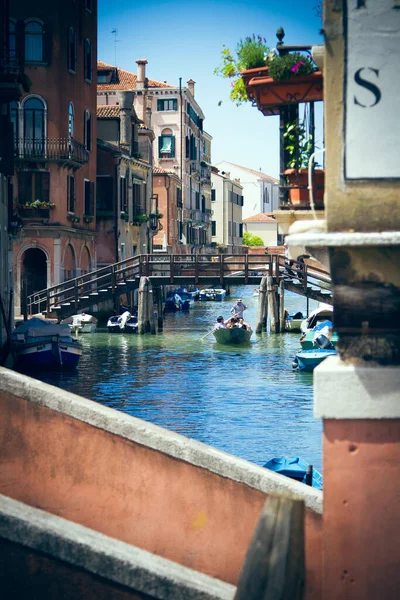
column 297, row 66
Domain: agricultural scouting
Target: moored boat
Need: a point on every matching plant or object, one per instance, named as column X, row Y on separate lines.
column 296, row 468
column 293, row 322
column 215, row 294
column 81, row 323
column 307, row 360
column 39, row 344
column 175, row 302
column 233, row 335
column 125, row 323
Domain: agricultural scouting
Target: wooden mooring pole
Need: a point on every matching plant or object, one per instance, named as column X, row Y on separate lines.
column 281, row 306
column 262, row 312
column 146, row 322
column 159, row 303
column 273, row 305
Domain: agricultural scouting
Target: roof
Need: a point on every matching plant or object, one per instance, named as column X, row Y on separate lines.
column 253, row 172
column 107, row 112
column 260, row 218
column 125, row 79
column 160, row 171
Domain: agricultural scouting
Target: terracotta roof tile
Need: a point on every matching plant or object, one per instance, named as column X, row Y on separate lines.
column 260, row 218
column 160, row 171
column 107, row 112
column 126, row 80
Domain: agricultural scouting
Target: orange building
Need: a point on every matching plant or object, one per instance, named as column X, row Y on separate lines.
column 167, row 190
column 54, row 127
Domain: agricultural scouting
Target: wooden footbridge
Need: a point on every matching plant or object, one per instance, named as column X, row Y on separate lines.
column 86, row 291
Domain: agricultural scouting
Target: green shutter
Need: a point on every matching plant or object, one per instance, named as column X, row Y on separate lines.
column 173, row 146
column 175, row 104
column 160, row 141
column 160, row 104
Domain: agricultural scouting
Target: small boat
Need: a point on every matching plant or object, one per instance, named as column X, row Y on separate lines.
column 215, row 294
column 233, row 335
column 125, row 323
column 175, row 302
column 39, row 344
column 81, row 323
column 188, row 291
column 296, row 468
column 293, row 322
column 307, row 360
column 322, row 313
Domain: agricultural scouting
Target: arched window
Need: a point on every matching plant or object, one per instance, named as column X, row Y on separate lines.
column 166, row 144
column 71, row 119
column 33, row 41
column 12, row 41
column 88, row 130
column 266, row 196
column 88, row 60
column 71, row 49
column 34, row 125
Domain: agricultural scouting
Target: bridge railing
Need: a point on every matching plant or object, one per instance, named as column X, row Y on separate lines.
column 172, row 269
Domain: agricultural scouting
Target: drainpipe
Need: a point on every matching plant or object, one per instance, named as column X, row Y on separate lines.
column 116, row 211
column 181, row 144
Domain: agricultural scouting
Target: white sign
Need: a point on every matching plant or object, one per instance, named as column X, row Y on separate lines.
column 372, row 89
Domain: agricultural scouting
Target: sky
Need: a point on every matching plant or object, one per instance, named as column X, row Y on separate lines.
column 184, row 39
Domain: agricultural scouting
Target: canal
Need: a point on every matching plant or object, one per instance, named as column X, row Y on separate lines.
column 245, row 401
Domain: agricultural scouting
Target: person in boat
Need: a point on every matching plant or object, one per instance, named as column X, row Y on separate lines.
column 220, row 323
column 232, row 322
column 238, row 309
column 242, row 324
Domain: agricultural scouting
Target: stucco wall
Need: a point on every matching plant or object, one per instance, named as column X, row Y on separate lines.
column 137, row 482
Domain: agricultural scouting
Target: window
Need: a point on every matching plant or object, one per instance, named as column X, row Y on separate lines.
column 197, row 200
column 71, row 119
column 88, row 130
column 88, row 198
column 13, row 42
column 166, row 146
column 32, row 186
column 137, row 199
column 88, row 60
column 104, row 194
column 71, row 193
column 88, row 5
column 33, row 41
column 179, row 197
column 123, row 196
column 213, row 227
column 167, row 104
column 213, row 198
column 34, row 125
column 14, row 118
column 71, row 50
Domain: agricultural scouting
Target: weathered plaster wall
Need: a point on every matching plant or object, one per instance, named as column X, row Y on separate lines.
column 137, row 482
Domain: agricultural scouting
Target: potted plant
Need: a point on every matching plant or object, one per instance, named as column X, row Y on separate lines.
column 250, row 55
column 124, row 215
column 88, row 218
column 298, row 149
column 139, row 219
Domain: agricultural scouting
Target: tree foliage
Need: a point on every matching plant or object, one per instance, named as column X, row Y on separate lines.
column 250, row 239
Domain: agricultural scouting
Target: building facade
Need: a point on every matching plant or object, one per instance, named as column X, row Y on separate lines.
column 261, row 192
column 168, row 194
column 227, row 203
column 54, row 130
column 177, row 122
column 264, row 226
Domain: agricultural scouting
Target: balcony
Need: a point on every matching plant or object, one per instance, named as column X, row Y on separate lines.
column 65, row 151
column 205, row 175
column 13, row 81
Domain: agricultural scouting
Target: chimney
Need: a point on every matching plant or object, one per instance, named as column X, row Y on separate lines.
column 141, row 73
column 191, row 86
column 125, row 100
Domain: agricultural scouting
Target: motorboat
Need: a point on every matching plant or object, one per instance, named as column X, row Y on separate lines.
column 307, row 360
column 175, row 302
column 296, row 468
column 215, row 294
column 322, row 313
column 233, row 335
column 125, row 323
column 40, row 344
column 313, row 336
column 293, row 322
column 187, row 299
column 186, row 291
column 81, row 323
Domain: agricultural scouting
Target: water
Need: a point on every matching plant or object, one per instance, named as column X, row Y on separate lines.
column 247, row 401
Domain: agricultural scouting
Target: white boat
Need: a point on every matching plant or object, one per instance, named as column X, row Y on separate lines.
column 293, row 322
column 216, row 294
column 38, row 344
column 233, row 335
column 125, row 323
column 81, row 323
column 322, row 313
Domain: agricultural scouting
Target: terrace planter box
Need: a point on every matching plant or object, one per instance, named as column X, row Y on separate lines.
column 301, row 195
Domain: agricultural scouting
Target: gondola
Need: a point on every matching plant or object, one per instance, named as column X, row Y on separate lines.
column 233, row 335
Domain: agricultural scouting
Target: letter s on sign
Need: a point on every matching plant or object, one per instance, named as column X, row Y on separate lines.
column 367, row 85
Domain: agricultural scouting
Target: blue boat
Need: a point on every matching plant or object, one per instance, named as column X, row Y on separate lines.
column 307, row 360
column 39, row 344
column 174, row 302
column 188, row 291
column 296, row 468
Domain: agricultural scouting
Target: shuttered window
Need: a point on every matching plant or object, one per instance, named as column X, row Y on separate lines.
column 89, row 198
column 32, row 186
column 166, row 146
column 71, row 193
column 170, row 104
column 213, row 227
column 104, row 194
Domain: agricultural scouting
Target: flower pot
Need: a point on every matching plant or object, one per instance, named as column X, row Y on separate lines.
column 301, row 195
column 270, row 95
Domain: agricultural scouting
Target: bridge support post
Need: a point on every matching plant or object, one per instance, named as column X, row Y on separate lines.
column 145, row 307
column 273, row 305
column 159, row 302
column 262, row 312
column 281, row 305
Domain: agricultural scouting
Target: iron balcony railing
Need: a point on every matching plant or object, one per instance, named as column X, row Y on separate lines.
column 65, row 150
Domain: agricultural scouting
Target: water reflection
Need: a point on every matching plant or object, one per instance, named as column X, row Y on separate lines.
column 245, row 400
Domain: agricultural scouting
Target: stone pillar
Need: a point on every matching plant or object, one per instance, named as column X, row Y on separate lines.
column 125, row 100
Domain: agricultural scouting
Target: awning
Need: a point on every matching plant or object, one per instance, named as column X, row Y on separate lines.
column 138, row 181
